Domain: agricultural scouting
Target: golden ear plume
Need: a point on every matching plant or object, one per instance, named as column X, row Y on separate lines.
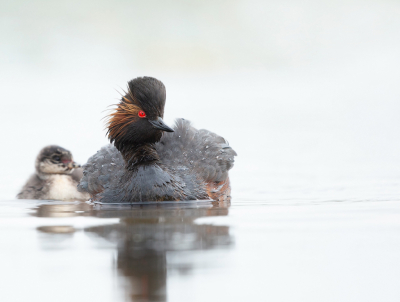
column 119, row 120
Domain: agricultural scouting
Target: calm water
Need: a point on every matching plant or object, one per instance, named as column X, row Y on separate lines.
column 250, row 251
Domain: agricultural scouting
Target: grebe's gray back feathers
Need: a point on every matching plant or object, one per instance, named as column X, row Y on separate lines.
column 205, row 153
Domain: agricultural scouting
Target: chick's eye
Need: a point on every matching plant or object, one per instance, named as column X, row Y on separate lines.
column 141, row 113
column 57, row 158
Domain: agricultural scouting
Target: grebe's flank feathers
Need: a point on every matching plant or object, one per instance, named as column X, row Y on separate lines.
column 105, row 167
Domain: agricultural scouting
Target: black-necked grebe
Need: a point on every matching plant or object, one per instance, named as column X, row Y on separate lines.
column 56, row 177
column 149, row 161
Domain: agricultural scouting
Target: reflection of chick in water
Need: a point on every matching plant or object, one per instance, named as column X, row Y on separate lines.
column 59, row 233
column 145, row 235
column 61, row 210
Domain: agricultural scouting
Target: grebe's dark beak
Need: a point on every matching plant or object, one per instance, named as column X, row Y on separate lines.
column 159, row 124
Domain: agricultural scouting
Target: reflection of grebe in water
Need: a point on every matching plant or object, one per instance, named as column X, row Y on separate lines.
column 145, row 235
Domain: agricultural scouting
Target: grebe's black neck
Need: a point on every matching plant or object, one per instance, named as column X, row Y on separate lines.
column 139, row 154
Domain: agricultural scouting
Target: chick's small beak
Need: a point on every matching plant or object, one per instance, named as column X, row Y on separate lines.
column 71, row 164
column 159, row 124
column 75, row 165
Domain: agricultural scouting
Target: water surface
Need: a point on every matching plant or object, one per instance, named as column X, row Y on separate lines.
column 249, row 251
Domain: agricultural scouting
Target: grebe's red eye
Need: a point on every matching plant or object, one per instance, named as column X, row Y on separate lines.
column 141, row 113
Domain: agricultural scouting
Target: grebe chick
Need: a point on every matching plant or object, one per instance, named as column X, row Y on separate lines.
column 56, row 177
column 150, row 161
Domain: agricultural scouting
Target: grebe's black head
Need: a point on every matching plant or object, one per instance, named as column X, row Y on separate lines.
column 55, row 160
column 138, row 117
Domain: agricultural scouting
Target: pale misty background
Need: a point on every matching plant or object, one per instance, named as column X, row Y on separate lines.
column 306, row 92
